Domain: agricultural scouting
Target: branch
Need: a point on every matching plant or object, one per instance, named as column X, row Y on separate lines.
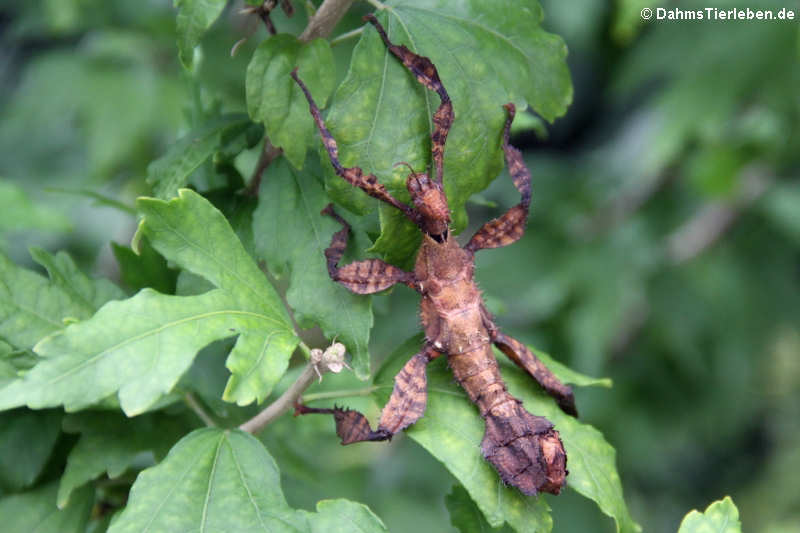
column 268, row 154
column 201, row 413
column 620, row 208
column 325, row 19
column 711, row 223
column 331, row 360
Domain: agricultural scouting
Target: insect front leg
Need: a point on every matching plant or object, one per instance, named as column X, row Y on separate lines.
column 426, row 73
column 525, row 359
column 405, row 406
column 362, row 277
column 511, row 226
column 353, row 175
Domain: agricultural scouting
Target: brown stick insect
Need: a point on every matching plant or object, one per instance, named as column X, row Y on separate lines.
column 525, row 449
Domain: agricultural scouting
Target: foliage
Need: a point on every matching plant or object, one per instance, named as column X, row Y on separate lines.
column 208, row 316
column 721, row 516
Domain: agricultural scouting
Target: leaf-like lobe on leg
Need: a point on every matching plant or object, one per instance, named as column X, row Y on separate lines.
column 351, row 426
column 371, row 276
column 510, row 227
column 362, row 277
column 526, row 451
column 409, row 396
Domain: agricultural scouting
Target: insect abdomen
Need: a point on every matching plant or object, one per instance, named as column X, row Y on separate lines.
column 525, row 449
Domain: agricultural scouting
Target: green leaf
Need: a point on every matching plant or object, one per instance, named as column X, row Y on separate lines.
column 171, row 171
column 380, row 115
column 451, row 430
column 27, row 439
column 32, row 307
column 144, row 269
column 721, row 516
column 564, row 373
column 190, row 232
column 110, row 443
column 17, row 212
column 226, row 481
column 154, row 341
column 64, row 274
column 464, row 514
column 156, row 337
column 343, row 516
column 292, row 235
column 194, row 18
column 36, row 511
column 275, row 99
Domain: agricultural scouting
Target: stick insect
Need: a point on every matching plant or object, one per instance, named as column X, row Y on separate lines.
column 525, row 449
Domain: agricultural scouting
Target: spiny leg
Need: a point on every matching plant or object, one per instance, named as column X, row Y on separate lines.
column 509, row 227
column 362, row 277
column 353, row 175
column 406, row 405
column 525, row 359
column 422, row 69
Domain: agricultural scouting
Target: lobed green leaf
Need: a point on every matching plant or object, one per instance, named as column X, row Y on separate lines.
column 31, row 435
column 464, row 514
column 292, row 235
column 276, row 100
column 153, row 341
column 194, row 18
column 172, row 170
column 32, row 307
column 193, row 234
column 36, row 511
column 18, row 212
column 110, row 443
column 226, row 481
column 721, row 516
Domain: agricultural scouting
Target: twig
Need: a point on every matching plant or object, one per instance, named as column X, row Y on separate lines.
column 711, row 223
column 331, row 360
column 268, row 154
column 346, row 393
column 195, row 406
column 378, row 5
column 349, row 35
column 620, row 208
column 325, row 19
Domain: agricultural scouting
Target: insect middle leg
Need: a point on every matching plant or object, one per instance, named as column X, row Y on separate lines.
column 511, row 226
column 362, row 277
column 405, row 406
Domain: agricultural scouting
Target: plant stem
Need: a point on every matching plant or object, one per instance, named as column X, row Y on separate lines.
column 201, row 413
column 349, row 35
column 282, row 404
column 268, row 154
column 305, row 349
column 378, row 5
column 325, row 19
column 331, row 360
column 346, row 393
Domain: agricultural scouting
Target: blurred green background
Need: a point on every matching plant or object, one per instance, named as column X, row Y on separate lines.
column 663, row 249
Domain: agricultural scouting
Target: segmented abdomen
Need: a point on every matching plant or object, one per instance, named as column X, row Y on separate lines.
column 525, row 449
